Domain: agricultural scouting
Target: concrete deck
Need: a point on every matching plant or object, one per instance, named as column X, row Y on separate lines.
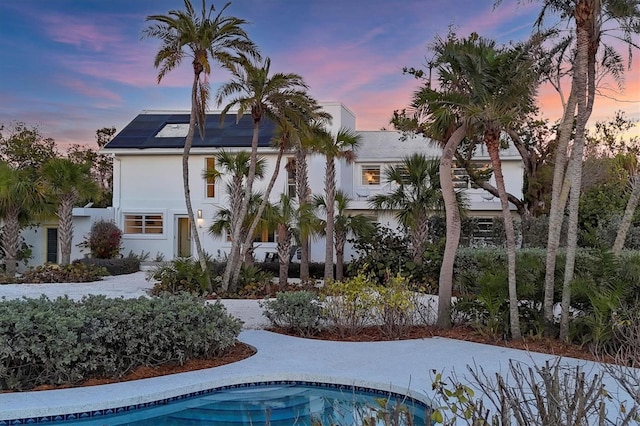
column 402, row 366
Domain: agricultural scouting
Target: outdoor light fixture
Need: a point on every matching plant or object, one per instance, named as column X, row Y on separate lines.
column 199, row 213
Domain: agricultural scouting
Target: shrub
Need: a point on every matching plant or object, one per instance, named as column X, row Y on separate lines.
column 71, row 273
column 182, row 274
column 103, row 240
column 52, row 342
column 348, row 305
column 298, row 311
column 120, row 266
column 253, row 281
column 395, row 307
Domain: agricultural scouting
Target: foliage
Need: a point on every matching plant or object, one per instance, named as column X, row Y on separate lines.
column 607, row 231
column 253, row 281
column 481, row 278
column 394, row 307
column 348, row 306
column 395, row 258
column 120, row 266
column 25, row 148
column 183, row 274
column 103, row 240
column 70, row 273
column 605, row 284
column 297, row 311
column 541, row 395
column 61, row 341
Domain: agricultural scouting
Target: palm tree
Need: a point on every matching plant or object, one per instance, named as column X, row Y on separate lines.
column 341, row 147
column 19, row 199
column 67, row 183
column 222, row 226
column 590, row 18
column 253, row 90
column 416, row 196
column 205, row 39
column 345, row 224
column 485, row 90
column 283, row 216
column 237, row 166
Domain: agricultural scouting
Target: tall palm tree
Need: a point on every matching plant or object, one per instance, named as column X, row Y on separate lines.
column 591, row 19
column 484, row 90
column 205, row 38
column 342, row 146
column 345, row 224
column 67, row 183
column 19, row 200
column 254, row 91
column 416, row 196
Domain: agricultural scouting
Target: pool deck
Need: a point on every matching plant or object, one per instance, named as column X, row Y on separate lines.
column 405, row 366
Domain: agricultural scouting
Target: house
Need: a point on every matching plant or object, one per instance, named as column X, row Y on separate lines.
column 148, row 198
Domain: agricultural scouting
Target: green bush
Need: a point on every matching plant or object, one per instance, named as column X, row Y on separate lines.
column 297, row 311
column 348, row 306
column 103, row 240
column 182, row 274
column 121, row 266
column 71, row 273
column 53, row 342
column 395, row 307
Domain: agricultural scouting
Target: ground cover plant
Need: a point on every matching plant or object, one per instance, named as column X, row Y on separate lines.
column 61, row 341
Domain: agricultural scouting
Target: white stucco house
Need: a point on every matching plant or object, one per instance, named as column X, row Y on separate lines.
column 148, row 201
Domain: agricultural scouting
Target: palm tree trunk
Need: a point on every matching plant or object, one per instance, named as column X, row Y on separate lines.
column 584, row 79
column 65, row 228
column 340, row 242
column 248, row 243
column 284, row 245
column 237, row 265
column 304, row 193
column 492, row 140
column 188, row 141
column 452, row 215
column 11, row 240
column 556, row 211
column 625, row 224
column 330, row 189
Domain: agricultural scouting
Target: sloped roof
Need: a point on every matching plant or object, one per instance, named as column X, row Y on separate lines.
column 142, row 132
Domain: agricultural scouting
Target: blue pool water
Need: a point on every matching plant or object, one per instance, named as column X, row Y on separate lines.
column 281, row 404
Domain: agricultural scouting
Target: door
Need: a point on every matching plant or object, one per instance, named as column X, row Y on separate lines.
column 184, row 237
column 52, row 245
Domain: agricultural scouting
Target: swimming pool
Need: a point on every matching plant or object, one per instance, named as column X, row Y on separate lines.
column 281, row 403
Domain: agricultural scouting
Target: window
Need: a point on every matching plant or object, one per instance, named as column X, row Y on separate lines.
column 462, row 180
column 264, row 236
column 210, row 181
column 291, row 177
column 371, row 175
column 143, row 224
column 483, row 233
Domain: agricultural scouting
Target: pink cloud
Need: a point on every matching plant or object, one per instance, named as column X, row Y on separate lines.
column 91, row 91
column 77, row 32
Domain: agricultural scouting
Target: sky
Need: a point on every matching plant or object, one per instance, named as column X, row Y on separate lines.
column 71, row 67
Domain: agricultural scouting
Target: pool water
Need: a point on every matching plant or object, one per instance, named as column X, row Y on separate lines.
column 290, row 404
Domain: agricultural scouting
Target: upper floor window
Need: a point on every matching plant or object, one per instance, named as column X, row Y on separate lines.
column 143, row 223
column 370, row 175
column 291, row 177
column 210, row 181
column 461, row 178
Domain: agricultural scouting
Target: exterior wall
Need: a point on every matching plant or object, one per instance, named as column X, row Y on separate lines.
column 83, row 219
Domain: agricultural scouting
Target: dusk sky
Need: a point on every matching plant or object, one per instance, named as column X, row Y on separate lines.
column 71, row 67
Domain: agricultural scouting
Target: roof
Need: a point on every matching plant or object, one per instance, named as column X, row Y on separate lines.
column 142, row 132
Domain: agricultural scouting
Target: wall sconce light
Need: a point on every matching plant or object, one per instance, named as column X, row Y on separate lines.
column 199, row 213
